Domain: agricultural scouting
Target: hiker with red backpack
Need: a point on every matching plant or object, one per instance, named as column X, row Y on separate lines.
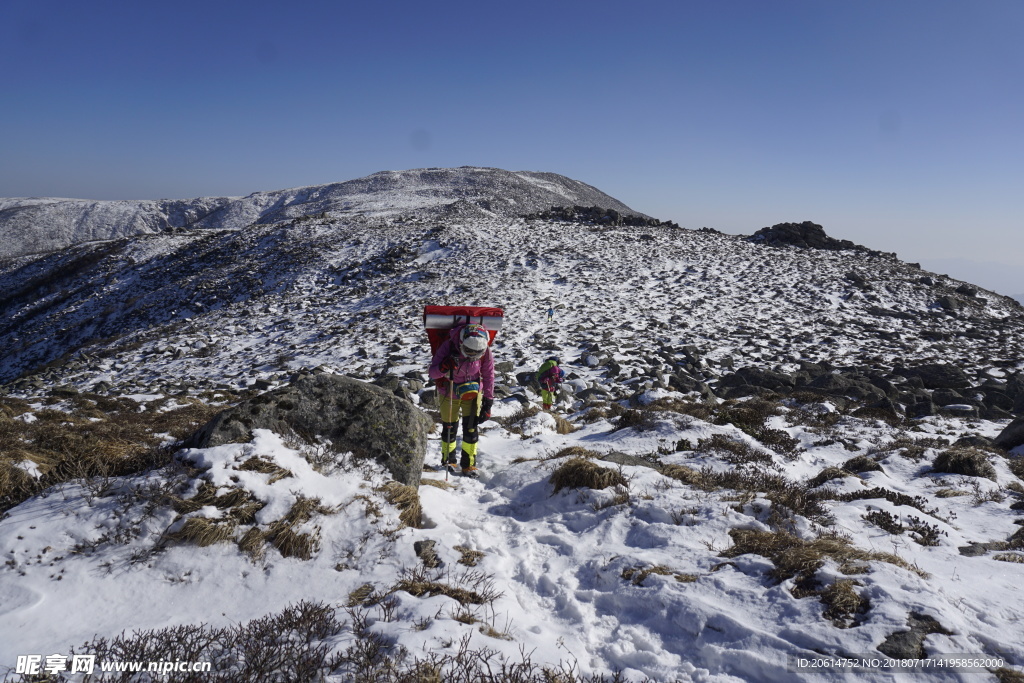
column 550, row 377
column 463, row 371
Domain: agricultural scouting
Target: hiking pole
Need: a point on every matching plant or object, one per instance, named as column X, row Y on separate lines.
column 451, row 408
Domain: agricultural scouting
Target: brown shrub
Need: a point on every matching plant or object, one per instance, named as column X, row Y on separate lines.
column 640, row 420
column 514, row 422
column 580, row 473
column 701, row 411
column 967, row 461
column 827, row 474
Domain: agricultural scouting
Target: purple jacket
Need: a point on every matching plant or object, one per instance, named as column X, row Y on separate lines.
column 481, row 369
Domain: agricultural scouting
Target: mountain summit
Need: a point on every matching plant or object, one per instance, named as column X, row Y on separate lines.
column 30, row 226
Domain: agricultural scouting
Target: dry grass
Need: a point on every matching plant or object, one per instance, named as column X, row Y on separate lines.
column 844, row 606
column 407, row 500
column 733, row 451
column 640, row 420
column 968, row 461
column 1009, row 557
column 97, row 436
column 514, row 422
column 1016, row 466
column 828, row 474
column 437, row 483
column 264, row 465
column 470, row 557
column 291, row 543
column 701, row 411
column 637, row 575
column 282, row 534
column 240, row 504
column 580, row 473
column 951, row 493
column 795, row 557
column 685, row 474
column 908, row 447
column 253, row 543
column 563, row 426
column 470, row 587
column 203, row 532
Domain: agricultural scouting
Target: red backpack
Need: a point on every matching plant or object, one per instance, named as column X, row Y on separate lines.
column 438, row 320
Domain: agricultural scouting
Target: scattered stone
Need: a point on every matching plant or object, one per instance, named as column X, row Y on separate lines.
column 910, row 644
column 425, row 550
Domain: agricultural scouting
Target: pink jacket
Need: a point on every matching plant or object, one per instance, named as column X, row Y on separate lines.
column 481, row 369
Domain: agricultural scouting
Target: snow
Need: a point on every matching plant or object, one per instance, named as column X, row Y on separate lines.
column 345, row 294
column 557, row 558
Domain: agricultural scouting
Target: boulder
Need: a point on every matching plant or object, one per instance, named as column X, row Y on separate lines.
column 527, row 379
column 938, row 376
column 1012, row 436
column 758, row 377
column 366, row 420
column 945, row 397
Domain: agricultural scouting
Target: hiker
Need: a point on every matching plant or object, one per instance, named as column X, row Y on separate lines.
column 463, row 370
column 551, row 314
column 550, row 376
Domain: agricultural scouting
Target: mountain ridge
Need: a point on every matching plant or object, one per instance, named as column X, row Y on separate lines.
column 42, row 225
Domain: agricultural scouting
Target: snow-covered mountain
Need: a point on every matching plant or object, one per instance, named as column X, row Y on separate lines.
column 32, row 226
column 782, row 418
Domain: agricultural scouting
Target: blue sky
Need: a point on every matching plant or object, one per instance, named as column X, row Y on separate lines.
column 896, row 124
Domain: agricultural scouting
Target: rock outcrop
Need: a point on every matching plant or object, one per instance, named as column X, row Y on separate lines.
column 366, row 420
column 806, row 235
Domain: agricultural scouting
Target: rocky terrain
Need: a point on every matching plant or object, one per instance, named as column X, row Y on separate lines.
column 785, row 383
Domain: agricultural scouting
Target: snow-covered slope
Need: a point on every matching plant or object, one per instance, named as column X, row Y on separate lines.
column 723, row 553
column 32, row 226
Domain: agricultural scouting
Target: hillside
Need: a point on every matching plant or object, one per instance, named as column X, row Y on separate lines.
column 793, row 445
column 34, row 226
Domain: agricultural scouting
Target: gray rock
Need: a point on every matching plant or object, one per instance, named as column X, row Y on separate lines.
column 922, row 408
column 938, row 376
column 526, row 379
column 944, row 397
column 910, row 644
column 594, row 392
column 978, row 549
column 625, row 459
column 1012, row 435
column 425, row 550
column 366, row 420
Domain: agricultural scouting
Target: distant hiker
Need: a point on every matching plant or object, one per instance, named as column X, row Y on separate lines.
column 551, row 314
column 463, row 370
column 550, row 376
